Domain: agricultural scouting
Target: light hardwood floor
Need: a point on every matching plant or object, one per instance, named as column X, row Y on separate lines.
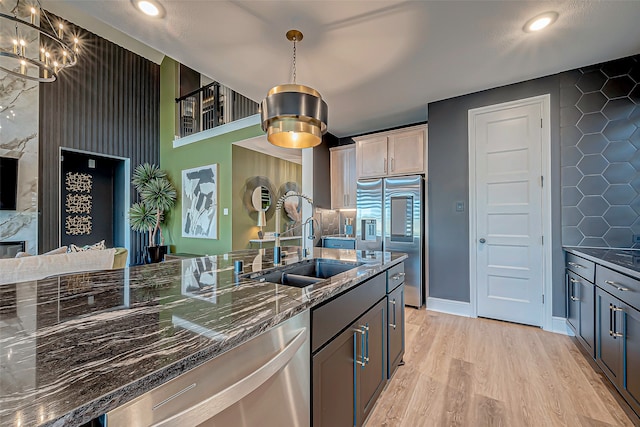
column 477, row 372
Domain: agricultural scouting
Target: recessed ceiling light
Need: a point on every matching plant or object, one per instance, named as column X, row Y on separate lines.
column 539, row 22
column 149, row 7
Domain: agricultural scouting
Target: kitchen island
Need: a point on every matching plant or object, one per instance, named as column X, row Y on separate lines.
column 75, row 347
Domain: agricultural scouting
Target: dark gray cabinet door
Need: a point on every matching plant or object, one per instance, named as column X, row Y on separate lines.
column 395, row 329
column 333, row 382
column 372, row 377
column 609, row 346
column 573, row 306
column 631, row 337
column 587, row 310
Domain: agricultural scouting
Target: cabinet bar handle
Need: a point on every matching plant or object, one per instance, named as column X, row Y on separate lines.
column 573, row 264
column 393, row 167
column 385, row 165
column 360, row 362
column 615, row 334
column 366, row 330
column 572, row 280
column 616, row 285
column 574, row 298
column 393, row 302
column 611, row 319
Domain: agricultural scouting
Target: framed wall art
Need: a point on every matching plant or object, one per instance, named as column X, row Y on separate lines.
column 200, row 202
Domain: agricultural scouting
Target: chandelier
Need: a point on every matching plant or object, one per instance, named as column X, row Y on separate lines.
column 31, row 46
column 293, row 115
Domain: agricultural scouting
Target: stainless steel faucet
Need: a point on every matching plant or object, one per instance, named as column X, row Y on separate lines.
column 277, row 249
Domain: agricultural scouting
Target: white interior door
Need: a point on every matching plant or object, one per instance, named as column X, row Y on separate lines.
column 508, row 216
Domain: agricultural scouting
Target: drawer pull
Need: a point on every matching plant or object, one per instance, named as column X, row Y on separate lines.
column 616, row 285
column 572, row 280
column 397, row 276
column 573, row 264
column 574, row 299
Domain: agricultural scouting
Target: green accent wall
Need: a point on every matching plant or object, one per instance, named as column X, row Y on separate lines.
column 208, row 151
column 247, row 165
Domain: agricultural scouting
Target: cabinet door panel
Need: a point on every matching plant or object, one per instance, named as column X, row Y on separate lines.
column 371, row 157
column 587, row 316
column 395, row 328
column 333, row 382
column 338, row 190
column 631, row 384
column 372, row 377
column 573, row 306
column 406, row 152
column 350, row 177
column 609, row 349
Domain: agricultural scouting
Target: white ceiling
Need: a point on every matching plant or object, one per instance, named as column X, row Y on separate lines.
column 376, row 63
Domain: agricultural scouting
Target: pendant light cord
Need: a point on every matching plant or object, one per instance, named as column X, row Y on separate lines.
column 294, row 60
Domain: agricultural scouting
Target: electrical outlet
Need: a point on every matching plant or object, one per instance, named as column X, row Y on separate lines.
column 636, row 238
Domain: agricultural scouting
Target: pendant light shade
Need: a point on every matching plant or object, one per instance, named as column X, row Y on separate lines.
column 293, row 115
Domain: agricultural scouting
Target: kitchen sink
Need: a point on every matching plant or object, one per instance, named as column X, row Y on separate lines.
column 305, row 273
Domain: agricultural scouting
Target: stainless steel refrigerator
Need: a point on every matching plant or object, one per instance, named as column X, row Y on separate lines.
column 390, row 217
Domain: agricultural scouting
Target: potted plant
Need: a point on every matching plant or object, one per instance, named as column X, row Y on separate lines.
column 157, row 196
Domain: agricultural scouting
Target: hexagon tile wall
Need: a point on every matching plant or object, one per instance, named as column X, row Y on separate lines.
column 600, row 137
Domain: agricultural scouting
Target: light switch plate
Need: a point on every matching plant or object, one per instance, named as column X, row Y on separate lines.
column 459, row 206
column 225, row 211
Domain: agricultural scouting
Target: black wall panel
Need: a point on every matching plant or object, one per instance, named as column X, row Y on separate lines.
column 109, row 103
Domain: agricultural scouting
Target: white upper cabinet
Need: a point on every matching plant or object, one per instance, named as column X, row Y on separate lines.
column 398, row 152
column 343, row 177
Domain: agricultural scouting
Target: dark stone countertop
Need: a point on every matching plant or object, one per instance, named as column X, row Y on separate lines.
column 626, row 261
column 77, row 346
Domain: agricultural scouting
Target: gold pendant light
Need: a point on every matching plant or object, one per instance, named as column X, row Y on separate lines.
column 293, row 115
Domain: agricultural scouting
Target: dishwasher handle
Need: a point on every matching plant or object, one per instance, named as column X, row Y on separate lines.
column 220, row 401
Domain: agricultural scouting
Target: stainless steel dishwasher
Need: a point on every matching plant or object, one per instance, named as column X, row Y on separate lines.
column 263, row 382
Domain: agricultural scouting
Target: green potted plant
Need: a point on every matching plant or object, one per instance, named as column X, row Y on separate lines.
column 157, row 196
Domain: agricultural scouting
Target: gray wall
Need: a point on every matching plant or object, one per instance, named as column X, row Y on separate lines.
column 449, row 183
column 599, row 119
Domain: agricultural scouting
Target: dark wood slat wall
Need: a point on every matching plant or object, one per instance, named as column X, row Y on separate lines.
column 109, row 103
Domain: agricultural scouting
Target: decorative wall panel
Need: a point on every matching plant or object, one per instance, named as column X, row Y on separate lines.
column 107, row 104
column 19, row 140
column 600, row 137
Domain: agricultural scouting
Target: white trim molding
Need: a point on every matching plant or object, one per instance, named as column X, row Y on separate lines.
column 559, row 326
column 218, row 130
column 545, row 106
column 459, row 308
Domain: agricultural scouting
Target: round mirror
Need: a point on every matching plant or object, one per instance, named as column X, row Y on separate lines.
column 261, row 198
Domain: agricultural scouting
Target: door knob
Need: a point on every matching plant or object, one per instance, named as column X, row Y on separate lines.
column 483, row 240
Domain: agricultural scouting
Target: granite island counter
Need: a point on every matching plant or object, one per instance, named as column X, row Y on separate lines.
column 75, row 347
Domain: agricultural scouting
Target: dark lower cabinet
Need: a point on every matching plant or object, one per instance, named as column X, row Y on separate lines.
column 631, row 356
column 350, row 372
column 333, row 382
column 609, row 348
column 371, row 373
column 580, row 310
column 618, row 345
column 573, row 306
column 395, row 329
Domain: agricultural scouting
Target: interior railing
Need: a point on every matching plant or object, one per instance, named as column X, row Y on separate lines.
column 210, row 106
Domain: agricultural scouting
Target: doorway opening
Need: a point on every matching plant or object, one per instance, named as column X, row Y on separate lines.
column 94, row 199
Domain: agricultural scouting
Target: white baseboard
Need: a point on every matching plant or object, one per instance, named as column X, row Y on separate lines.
column 559, row 326
column 458, row 308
